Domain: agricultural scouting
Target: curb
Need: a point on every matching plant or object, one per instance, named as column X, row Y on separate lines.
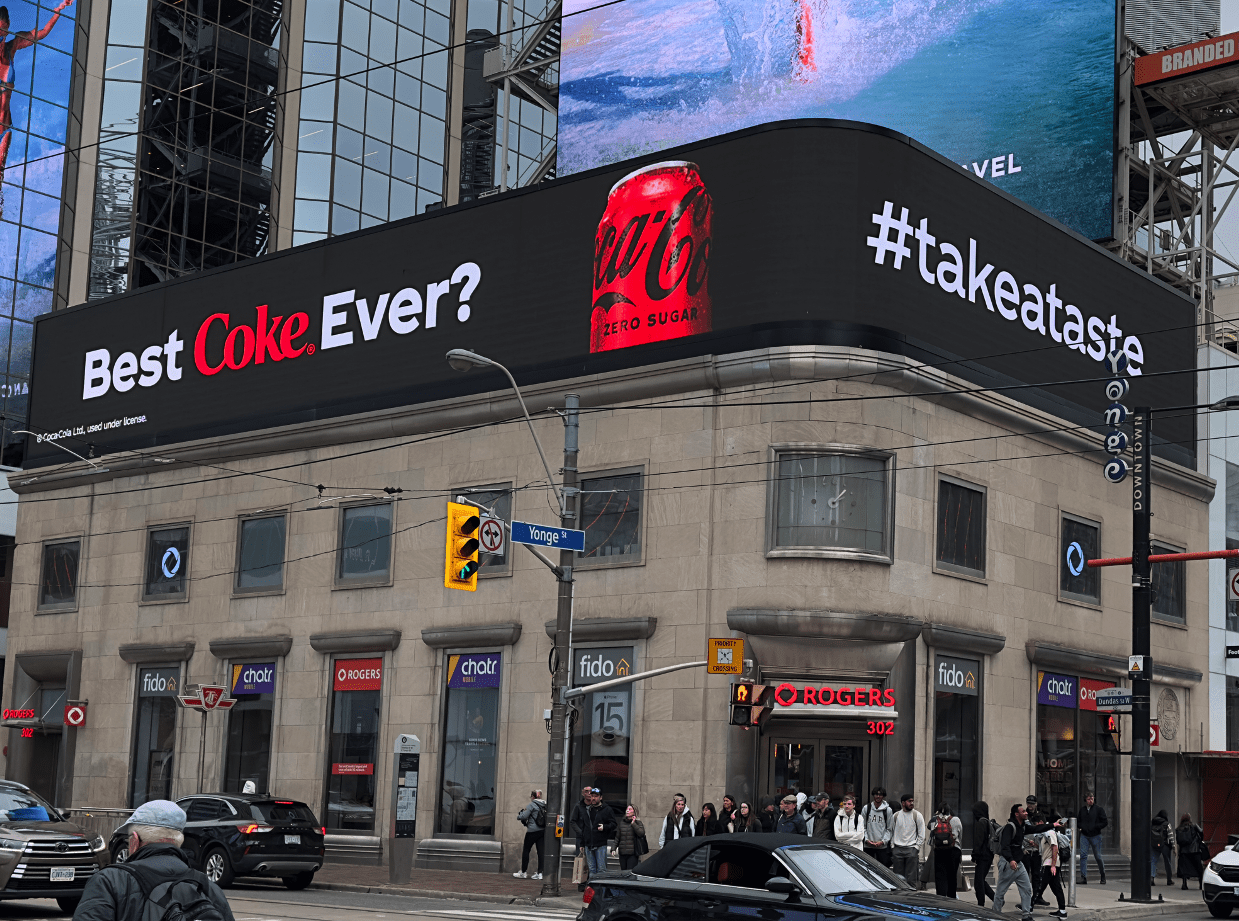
column 428, row 893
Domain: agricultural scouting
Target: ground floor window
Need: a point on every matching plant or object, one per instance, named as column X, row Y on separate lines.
column 1232, row 714
column 1076, row 754
column 470, row 744
column 602, row 730
column 247, row 755
column 957, row 733
column 353, row 744
column 154, row 734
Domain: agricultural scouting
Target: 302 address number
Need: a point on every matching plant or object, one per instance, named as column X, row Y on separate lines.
column 881, row 728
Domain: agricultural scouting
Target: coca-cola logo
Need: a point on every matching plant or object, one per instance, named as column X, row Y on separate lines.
column 273, row 338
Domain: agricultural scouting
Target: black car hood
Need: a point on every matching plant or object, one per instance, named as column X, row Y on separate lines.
column 912, row 905
column 57, row 828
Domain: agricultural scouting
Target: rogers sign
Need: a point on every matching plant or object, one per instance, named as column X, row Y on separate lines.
column 358, row 675
column 225, row 343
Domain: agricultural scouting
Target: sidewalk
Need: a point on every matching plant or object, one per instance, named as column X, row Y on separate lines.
column 501, row 888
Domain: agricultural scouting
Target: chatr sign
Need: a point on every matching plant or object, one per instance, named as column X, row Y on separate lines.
column 1056, row 690
column 474, row 670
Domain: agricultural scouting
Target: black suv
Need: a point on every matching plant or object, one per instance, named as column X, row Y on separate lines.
column 246, row 834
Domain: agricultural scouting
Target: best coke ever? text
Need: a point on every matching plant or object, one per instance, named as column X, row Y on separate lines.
column 224, row 342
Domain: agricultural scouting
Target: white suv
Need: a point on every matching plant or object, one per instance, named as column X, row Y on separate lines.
column 1221, row 882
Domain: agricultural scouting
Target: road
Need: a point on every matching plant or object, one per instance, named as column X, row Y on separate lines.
column 259, row 903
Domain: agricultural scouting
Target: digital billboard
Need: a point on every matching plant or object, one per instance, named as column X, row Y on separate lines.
column 652, row 261
column 1019, row 93
column 35, row 68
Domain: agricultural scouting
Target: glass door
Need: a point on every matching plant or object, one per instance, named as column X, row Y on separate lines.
column 792, row 769
column 818, row 765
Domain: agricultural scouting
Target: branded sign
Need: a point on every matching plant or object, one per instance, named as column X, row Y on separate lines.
column 1232, row 652
column 1056, row 690
column 339, row 769
column 594, row 665
column 645, row 75
column 1089, row 687
column 917, row 260
column 254, row 679
column 1186, row 59
column 159, row 682
column 957, row 676
column 358, row 675
column 19, row 714
column 75, row 714
column 792, row 697
column 474, row 670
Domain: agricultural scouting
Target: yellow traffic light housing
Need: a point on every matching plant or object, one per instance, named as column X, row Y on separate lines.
column 461, row 553
column 741, row 703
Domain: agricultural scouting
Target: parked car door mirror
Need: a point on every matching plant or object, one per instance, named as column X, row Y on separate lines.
column 783, row 885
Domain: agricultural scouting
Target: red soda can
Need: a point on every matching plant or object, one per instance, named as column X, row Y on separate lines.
column 652, row 258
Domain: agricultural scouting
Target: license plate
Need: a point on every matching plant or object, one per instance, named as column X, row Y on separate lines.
column 1237, row 890
column 292, row 839
column 62, row 874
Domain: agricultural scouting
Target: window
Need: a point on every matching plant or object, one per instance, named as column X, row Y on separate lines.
column 167, row 561
column 365, row 544
column 1232, row 539
column 353, row 745
column 470, row 744
column 1081, row 541
column 1232, row 714
column 154, row 734
column 247, row 753
column 498, row 498
column 1168, row 587
column 601, row 754
column 260, row 554
column 961, row 527
column 611, row 517
column 957, row 736
column 58, row 582
column 827, row 504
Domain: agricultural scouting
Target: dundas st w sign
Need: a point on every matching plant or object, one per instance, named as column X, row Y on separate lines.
column 801, row 233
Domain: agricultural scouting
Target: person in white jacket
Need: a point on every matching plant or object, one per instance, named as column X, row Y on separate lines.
column 849, row 826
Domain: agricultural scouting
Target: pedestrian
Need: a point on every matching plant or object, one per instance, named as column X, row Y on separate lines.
column 678, row 822
column 1092, row 819
column 746, row 821
column 790, row 822
column 849, row 826
column 907, row 838
column 1034, row 824
column 1011, row 870
column 630, row 839
column 1049, row 844
column 1190, row 837
column 120, row 892
column 879, row 819
column 823, row 819
column 594, row 823
column 533, row 817
column 1162, row 844
column 768, row 816
column 709, row 823
column 727, row 813
column 982, row 855
column 947, row 836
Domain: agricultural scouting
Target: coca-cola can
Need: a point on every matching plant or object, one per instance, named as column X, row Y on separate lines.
column 652, row 258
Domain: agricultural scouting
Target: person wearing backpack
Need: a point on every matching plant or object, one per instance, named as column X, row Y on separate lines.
column 983, row 829
column 1190, row 837
column 879, row 819
column 1008, row 844
column 155, row 882
column 945, row 836
column 1162, row 843
column 533, row 817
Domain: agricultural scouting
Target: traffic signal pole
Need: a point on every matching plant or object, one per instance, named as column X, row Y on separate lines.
column 557, row 770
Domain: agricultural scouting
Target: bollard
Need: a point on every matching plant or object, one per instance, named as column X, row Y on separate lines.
column 1074, row 834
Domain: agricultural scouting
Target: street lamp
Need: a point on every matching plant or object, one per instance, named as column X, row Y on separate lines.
column 557, row 767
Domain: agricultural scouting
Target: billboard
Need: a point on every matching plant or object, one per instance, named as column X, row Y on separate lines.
column 1021, row 94
column 644, row 263
column 35, row 68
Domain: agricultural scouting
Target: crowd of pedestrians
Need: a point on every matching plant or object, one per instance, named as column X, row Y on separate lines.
column 1031, row 848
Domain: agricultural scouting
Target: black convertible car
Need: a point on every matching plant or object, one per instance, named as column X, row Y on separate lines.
column 767, row 877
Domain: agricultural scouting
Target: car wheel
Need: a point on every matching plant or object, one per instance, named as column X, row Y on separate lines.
column 120, row 853
column 215, row 865
column 68, row 905
column 1220, row 911
column 299, row 881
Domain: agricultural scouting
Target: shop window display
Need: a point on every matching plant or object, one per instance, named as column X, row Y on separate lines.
column 247, row 754
column 957, row 731
column 602, row 734
column 353, row 745
column 470, row 744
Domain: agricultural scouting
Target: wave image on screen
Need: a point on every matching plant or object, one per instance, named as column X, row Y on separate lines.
column 1021, row 93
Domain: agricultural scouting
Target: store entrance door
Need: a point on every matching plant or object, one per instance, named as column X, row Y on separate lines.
column 831, row 765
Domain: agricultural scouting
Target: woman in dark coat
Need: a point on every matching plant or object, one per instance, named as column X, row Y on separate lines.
column 746, row 821
column 1190, row 838
column 627, row 833
column 709, row 824
column 1161, row 843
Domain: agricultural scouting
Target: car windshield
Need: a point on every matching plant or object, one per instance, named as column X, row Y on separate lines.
column 25, row 806
column 833, row 871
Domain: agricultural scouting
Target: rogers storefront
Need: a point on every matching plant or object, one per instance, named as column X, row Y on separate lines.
column 834, row 394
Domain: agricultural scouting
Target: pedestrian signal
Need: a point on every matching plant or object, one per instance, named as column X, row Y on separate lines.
column 741, row 703
column 762, row 705
column 461, row 553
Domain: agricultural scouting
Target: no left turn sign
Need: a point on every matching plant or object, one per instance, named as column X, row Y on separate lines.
column 75, row 715
column 490, row 535
column 1232, row 585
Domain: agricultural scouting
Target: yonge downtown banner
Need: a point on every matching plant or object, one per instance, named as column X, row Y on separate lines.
column 1020, row 94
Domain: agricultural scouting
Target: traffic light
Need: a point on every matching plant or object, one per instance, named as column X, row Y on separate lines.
column 742, row 703
column 763, row 705
column 461, row 554
column 1110, row 738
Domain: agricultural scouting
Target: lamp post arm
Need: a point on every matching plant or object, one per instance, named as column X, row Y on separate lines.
column 528, row 421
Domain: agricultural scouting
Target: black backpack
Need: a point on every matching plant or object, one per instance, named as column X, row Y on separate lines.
column 181, row 898
column 538, row 819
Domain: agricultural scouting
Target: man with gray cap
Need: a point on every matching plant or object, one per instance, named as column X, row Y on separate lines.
column 156, row 871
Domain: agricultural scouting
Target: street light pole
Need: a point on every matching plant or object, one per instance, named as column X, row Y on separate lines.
column 1141, row 645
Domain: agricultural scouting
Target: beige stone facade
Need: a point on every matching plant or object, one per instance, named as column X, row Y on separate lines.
column 704, row 433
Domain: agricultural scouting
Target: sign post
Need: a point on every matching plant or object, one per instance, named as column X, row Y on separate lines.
column 205, row 698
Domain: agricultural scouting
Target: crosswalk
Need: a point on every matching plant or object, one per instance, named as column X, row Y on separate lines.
column 500, row 913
